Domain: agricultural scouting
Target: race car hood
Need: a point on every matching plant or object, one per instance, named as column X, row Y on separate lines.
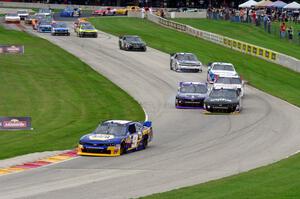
column 224, row 73
column 61, row 29
column 227, row 86
column 88, row 30
column 221, row 100
column 45, row 25
column 187, row 62
column 136, row 43
column 194, row 96
column 101, row 139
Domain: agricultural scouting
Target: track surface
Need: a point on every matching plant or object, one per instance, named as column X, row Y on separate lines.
column 189, row 147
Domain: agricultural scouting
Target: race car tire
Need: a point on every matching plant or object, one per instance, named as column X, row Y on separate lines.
column 96, row 35
column 176, row 68
column 126, row 12
column 120, row 46
column 145, row 142
column 144, row 49
column 122, row 149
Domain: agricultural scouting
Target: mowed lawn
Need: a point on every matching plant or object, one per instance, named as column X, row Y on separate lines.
column 269, row 77
column 277, row 181
column 250, row 33
column 63, row 95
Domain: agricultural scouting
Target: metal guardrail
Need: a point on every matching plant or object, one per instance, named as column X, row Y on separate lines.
column 247, row 48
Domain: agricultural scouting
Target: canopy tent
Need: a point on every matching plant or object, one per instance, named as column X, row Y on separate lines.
column 293, row 5
column 263, row 3
column 248, row 4
column 277, row 4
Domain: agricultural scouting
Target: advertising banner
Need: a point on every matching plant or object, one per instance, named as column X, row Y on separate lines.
column 11, row 49
column 15, row 123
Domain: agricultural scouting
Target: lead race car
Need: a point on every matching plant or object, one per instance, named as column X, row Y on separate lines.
column 185, row 62
column 191, row 95
column 220, row 68
column 116, row 137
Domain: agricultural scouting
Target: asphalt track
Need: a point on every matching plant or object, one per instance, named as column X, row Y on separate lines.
column 189, row 147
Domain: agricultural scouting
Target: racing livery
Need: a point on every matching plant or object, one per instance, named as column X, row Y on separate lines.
column 191, row 95
column 219, row 68
column 70, row 12
column 78, row 22
column 124, row 11
column 105, row 12
column 87, row 30
column 223, row 100
column 185, row 62
column 60, row 28
column 132, row 42
column 44, row 26
column 12, row 18
column 233, row 82
column 116, row 137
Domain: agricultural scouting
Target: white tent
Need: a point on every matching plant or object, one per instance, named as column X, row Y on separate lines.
column 248, row 4
column 293, row 5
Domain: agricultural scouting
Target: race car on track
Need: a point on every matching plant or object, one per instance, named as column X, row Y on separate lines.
column 28, row 20
column 223, row 100
column 60, row 28
column 70, row 12
column 45, row 12
column 12, row 18
column 23, row 14
column 132, row 42
column 116, row 137
column 219, row 68
column 185, row 62
column 124, row 11
column 79, row 22
column 105, row 12
column 87, row 30
column 191, row 94
column 44, row 26
column 233, row 82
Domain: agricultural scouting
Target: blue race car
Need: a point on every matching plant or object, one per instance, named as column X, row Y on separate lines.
column 116, row 137
column 191, row 95
column 44, row 26
column 70, row 12
column 60, row 28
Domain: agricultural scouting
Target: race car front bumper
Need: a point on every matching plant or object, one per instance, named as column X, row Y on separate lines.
column 110, row 151
column 189, row 68
column 189, row 103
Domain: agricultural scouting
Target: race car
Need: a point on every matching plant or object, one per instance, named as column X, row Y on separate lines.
column 132, row 42
column 124, row 11
column 60, row 28
column 191, row 95
column 87, row 30
column 28, row 20
column 116, row 137
column 185, row 62
column 44, row 26
column 105, row 12
column 45, row 11
column 233, row 82
column 219, row 68
column 70, row 12
column 12, row 18
column 78, row 22
column 23, row 14
column 223, row 100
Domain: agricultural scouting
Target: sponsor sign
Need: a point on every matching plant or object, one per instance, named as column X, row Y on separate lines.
column 15, row 123
column 11, row 49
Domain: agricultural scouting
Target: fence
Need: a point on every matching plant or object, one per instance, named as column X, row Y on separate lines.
column 260, row 52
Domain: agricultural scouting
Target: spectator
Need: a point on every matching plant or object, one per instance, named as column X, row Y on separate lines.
column 269, row 25
column 282, row 30
column 266, row 22
column 290, row 33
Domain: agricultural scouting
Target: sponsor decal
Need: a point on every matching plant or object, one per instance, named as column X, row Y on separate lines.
column 15, row 123
column 11, row 49
column 101, row 137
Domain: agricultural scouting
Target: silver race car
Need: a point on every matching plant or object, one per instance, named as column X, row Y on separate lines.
column 185, row 62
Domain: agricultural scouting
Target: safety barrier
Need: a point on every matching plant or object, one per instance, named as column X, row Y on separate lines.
column 260, row 52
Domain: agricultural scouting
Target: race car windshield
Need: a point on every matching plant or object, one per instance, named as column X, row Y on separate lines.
column 228, row 80
column 133, row 39
column 12, row 15
column 60, row 25
column 87, row 27
column 223, row 67
column 186, row 57
column 223, row 93
column 111, row 129
column 193, row 89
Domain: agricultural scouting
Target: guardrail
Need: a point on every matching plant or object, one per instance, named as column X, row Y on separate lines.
column 260, row 52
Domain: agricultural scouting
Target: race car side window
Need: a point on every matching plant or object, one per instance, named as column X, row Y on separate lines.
column 131, row 129
column 138, row 127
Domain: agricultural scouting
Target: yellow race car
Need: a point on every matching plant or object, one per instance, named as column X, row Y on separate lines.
column 87, row 30
column 124, row 11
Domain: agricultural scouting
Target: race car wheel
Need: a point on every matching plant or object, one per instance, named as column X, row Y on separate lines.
column 120, row 46
column 122, row 149
column 144, row 49
column 145, row 143
column 176, row 67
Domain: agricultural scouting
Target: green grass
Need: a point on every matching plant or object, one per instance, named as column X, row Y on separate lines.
column 250, row 33
column 63, row 95
column 269, row 77
column 276, row 181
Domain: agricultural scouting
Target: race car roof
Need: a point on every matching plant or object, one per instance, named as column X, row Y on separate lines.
column 194, row 83
column 118, row 121
column 221, row 63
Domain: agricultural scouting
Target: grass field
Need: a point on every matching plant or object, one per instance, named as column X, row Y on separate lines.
column 63, row 95
column 266, row 76
column 249, row 33
column 277, row 181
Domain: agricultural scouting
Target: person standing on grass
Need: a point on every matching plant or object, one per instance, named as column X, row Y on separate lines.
column 290, row 33
column 282, row 30
column 269, row 24
column 265, row 21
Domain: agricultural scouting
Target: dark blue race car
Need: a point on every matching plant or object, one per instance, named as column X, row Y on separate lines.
column 116, row 137
column 191, row 95
column 60, row 28
column 70, row 12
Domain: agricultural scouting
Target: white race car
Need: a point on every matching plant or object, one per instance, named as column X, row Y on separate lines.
column 23, row 14
column 12, row 18
column 220, row 69
column 230, row 82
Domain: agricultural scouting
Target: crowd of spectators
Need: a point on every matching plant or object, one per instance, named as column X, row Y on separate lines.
column 259, row 17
